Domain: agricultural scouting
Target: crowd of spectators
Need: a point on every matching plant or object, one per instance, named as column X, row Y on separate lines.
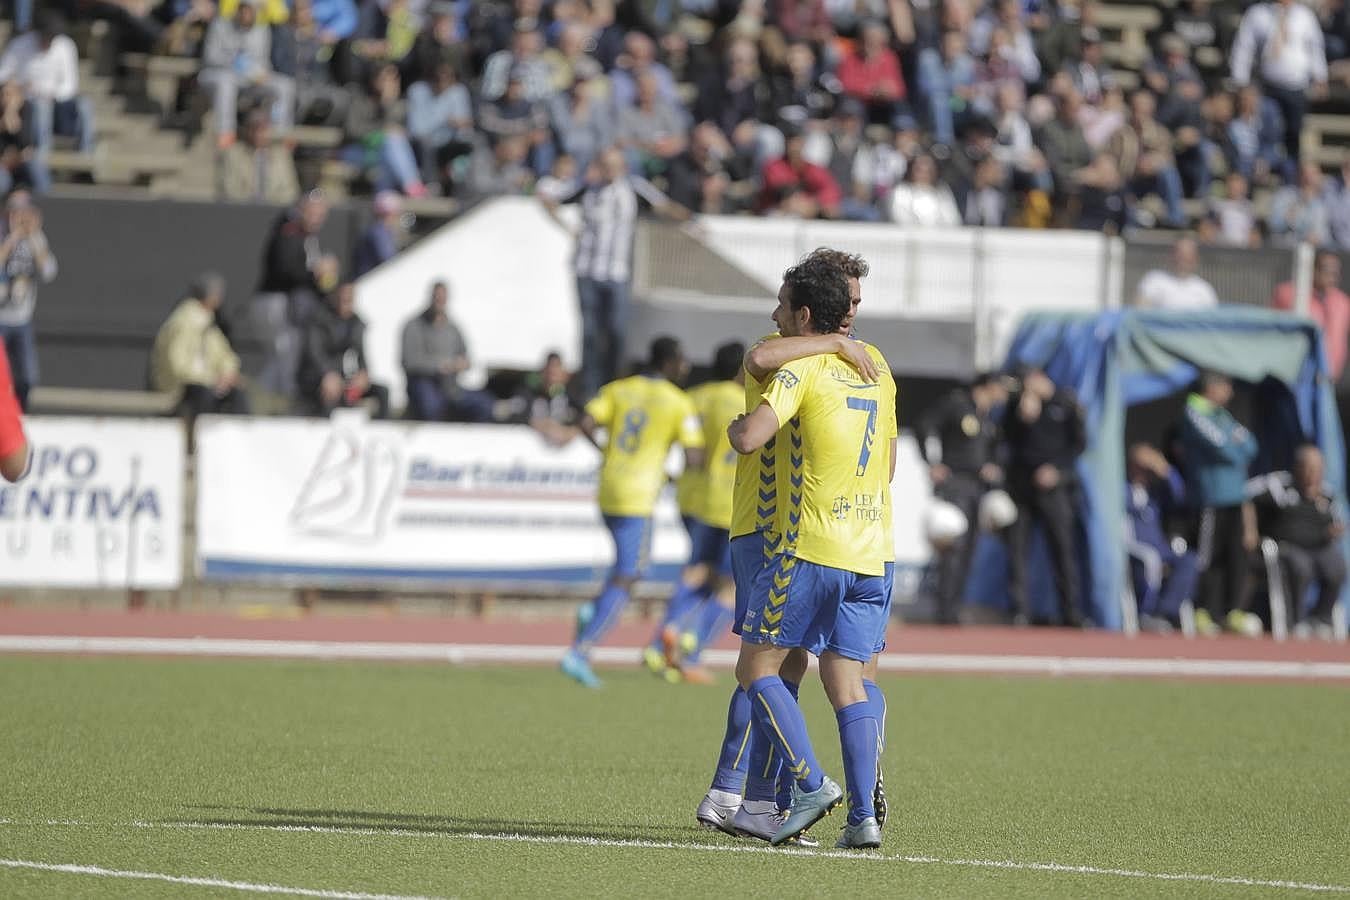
column 932, row 113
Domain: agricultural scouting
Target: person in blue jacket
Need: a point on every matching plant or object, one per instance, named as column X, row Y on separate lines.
column 1165, row 571
column 1216, row 451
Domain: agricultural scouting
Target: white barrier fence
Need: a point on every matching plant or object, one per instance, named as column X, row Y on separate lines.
column 101, row 508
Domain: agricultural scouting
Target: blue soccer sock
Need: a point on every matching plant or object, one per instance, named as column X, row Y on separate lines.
column 785, row 780
column 714, row 619
column 734, row 760
column 681, row 602
column 858, row 739
column 878, row 701
column 608, row 606
column 780, row 721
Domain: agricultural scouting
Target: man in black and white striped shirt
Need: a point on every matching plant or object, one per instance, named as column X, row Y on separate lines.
column 603, row 261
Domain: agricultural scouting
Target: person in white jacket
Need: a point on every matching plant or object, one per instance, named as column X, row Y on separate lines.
column 922, row 200
column 46, row 63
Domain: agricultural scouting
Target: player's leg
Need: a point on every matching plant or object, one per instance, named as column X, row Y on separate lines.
column 717, row 607
column 632, row 535
column 874, row 693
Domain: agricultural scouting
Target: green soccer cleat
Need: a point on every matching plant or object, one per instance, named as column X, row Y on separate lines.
column 575, row 667
column 866, row 835
column 808, row 809
column 654, row 661
column 1205, row 624
column 1245, row 623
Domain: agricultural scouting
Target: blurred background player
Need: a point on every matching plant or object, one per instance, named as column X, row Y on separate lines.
column 823, row 589
column 1165, row 572
column 13, row 443
column 958, row 438
column 702, row 604
column 643, row 417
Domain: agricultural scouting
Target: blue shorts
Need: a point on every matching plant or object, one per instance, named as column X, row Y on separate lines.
column 748, row 557
column 887, row 588
column 797, row 603
column 632, row 544
column 689, row 523
column 710, row 546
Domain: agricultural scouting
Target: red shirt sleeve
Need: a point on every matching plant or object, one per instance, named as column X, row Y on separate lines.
column 11, row 424
column 853, row 77
column 824, row 188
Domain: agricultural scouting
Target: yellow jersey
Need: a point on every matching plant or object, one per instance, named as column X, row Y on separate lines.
column 754, row 495
column 835, row 498
column 710, row 492
column 644, row 416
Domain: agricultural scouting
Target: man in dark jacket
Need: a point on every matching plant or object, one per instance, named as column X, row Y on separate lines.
column 1298, row 511
column 434, row 355
column 1045, row 433
column 333, row 369
column 958, row 438
column 1215, row 453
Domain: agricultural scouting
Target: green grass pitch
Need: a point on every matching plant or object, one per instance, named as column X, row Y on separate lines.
column 350, row 779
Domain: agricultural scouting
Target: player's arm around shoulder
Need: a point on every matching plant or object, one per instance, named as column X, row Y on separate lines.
column 775, row 352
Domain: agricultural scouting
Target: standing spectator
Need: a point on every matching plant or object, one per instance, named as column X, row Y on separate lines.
column 1298, row 213
column 376, row 139
column 440, row 121
column 19, row 158
column 333, row 370
column 379, row 242
column 795, row 186
column 1178, row 287
column 871, row 74
column 653, row 130
column 923, row 201
column 238, row 55
column 1045, row 433
column 958, row 439
column 257, row 169
column 1164, row 571
column 434, row 355
column 1298, row 510
column 1215, row 453
column 26, row 261
column 1234, row 214
column 192, row 357
column 297, row 272
column 604, row 249
column 514, row 114
column 1143, row 152
column 47, row 64
column 1328, row 306
column 1282, row 40
column 947, row 80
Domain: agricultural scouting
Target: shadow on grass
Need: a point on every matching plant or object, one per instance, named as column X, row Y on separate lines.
column 447, row 825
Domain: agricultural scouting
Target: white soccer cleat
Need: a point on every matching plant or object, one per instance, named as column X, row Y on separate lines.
column 761, row 819
column 716, row 812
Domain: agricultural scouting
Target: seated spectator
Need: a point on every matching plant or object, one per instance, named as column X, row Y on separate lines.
column 699, row 178
column 1102, row 205
column 333, row 371
column 984, row 203
column 1104, row 120
column 546, row 403
column 1180, row 111
column 26, row 261
column 1065, row 148
column 1336, row 195
column 848, row 145
column 20, row 162
column 803, row 20
column 439, row 42
column 192, row 357
column 997, row 69
column 1196, row 23
column 639, row 56
column 1019, row 49
column 434, row 354
column 46, row 62
column 376, row 139
column 440, row 121
column 795, row 187
column 1142, row 150
column 1178, row 287
column 522, row 61
column 562, row 60
column 559, row 183
column 871, row 74
column 1328, row 306
column 516, row 115
column 302, row 51
column 947, row 80
column 379, row 242
column 1254, row 134
column 1299, row 213
column 1090, row 75
column 798, row 94
column 581, row 118
column 238, row 56
column 1234, row 214
column 652, row 130
column 921, row 200
column 257, row 169
column 499, row 169
column 1164, row 571
column 1298, row 511
column 1013, row 146
column 386, row 31
column 736, row 91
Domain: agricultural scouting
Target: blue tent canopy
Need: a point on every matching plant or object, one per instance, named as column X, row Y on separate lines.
column 1117, row 359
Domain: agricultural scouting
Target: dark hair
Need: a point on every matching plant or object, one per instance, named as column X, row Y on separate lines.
column 818, row 285
column 664, row 350
column 851, row 264
column 727, row 360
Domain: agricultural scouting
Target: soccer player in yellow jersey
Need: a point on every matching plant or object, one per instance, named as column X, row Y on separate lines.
column 823, row 591
column 701, row 603
column 643, row 416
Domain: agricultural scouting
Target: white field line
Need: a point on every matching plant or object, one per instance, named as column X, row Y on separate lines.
column 574, row 840
column 538, row 653
column 245, row 886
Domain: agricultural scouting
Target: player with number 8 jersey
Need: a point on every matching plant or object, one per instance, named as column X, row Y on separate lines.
column 643, row 417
